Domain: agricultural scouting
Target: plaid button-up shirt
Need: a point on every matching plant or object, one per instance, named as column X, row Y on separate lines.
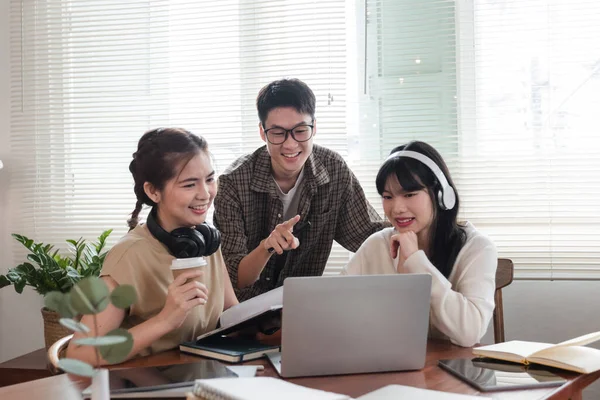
column 247, row 209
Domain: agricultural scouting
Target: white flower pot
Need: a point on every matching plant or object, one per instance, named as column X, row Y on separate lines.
column 100, row 386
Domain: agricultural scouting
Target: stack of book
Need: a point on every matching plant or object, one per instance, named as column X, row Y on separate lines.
column 226, row 344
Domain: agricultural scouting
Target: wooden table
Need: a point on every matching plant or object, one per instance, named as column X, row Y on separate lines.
column 431, row 377
column 26, row 368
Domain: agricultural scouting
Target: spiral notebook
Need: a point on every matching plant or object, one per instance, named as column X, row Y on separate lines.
column 395, row 392
column 261, row 388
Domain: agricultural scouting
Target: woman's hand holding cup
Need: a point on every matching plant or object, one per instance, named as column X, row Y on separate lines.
column 182, row 297
column 187, row 290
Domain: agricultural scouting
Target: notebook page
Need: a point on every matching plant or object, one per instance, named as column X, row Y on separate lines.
column 261, row 388
column 254, row 306
column 582, row 340
column 574, row 358
column 517, row 347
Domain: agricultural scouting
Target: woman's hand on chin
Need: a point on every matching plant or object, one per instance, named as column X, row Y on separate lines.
column 403, row 245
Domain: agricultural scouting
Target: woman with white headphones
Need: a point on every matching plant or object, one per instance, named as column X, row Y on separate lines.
column 420, row 200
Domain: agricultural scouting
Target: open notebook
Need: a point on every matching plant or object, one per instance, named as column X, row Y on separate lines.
column 248, row 313
column 261, row 388
column 253, row 307
column 572, row 355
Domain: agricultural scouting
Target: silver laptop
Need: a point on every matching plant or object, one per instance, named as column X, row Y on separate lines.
column 353, row 324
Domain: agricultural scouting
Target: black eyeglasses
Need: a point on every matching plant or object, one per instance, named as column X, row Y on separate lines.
column 300, row 133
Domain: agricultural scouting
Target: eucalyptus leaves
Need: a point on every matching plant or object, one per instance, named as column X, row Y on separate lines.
column 91, row 296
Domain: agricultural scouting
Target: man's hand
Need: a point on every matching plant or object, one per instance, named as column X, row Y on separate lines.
column 282, row 239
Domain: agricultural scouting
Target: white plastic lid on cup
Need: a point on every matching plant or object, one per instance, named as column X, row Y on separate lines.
column 184, row 263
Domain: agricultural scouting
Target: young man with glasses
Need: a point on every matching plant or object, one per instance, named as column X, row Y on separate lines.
column 290, row 181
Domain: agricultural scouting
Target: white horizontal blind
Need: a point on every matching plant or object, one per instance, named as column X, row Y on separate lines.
column 89, row 77
column 507, row 92
column 529, row 148
column 410, row 84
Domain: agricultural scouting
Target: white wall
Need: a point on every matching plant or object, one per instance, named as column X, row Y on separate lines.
column 4, row 129
column 20, row 318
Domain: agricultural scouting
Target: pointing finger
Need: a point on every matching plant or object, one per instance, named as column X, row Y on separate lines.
column 291, row 222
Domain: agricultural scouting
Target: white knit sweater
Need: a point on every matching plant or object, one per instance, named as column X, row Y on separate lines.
column 461, row 306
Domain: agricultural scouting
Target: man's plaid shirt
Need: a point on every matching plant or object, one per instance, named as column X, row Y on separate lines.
column 247, row 209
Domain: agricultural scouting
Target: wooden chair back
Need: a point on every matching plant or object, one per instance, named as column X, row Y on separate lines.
column 504, row 277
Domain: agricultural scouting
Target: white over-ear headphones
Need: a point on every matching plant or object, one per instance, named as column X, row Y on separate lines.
column 446, row 196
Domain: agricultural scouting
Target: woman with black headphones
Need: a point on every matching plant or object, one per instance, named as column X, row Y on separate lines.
column 420, row 200
column 173, row 174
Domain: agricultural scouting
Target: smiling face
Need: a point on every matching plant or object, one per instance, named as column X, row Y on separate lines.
column 186, row 198
column 287, row 158
column 408, row 210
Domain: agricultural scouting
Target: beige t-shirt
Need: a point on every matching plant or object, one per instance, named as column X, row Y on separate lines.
column 140, row 260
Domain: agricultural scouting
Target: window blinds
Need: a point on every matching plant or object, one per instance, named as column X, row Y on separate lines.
column 529, row 156
column 90, row 77
column 506, row 90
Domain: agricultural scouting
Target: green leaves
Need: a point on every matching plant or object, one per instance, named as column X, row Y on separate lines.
column 89, row 296
column 123, row 296
column 73, row 325
column 98, row 341
column 76, row 367
column 18, row 277
column 25, row 269
column 61, row 303
column 77, row 249
column 28, row 243
column 102, row 241
column 47, row 270
column 114, row 348
column 73, row 274
column 54, row 301
column 117, row 353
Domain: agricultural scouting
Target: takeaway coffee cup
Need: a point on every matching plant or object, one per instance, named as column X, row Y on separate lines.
column 181, row 265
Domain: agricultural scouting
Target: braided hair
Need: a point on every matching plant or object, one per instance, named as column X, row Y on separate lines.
column 159, row 153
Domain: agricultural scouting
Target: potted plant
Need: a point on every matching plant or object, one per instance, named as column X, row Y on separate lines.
column 91, row 296
column 48, row 270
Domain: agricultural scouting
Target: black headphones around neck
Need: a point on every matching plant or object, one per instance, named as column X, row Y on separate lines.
column 204, row 240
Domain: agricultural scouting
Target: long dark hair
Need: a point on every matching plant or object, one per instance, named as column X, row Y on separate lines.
column 446, row 236
column 159, row 153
